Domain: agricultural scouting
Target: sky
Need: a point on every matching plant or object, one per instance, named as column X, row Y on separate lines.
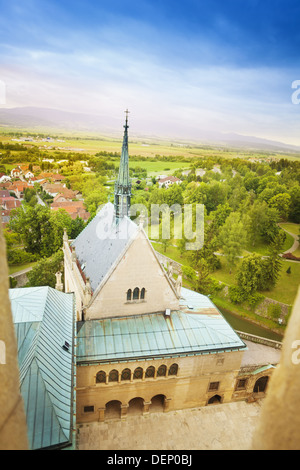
column 188, row 68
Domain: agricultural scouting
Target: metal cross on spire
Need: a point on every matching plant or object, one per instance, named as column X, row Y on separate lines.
column 127, row 112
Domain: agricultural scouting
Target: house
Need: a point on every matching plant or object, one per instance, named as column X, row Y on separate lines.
column 200, row 172
column 4, row 178
column 28, row 175
column 53, row 189
column 11, row 203
column 57, row 177
column 19, row 187
column 16, row 172
column 73, row 208
column 4, row 193
column 168, row 181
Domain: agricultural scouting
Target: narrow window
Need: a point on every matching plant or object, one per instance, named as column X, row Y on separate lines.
column 129, row 293
column 136, row 293
column 143, row 292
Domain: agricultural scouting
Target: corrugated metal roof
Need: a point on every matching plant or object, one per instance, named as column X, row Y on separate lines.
column 101, row 243
column 43, row 319
column 144, row 336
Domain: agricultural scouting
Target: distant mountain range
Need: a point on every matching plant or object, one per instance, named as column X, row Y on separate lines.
column 46, row 119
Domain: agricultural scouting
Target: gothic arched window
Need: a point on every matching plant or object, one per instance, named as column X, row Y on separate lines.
column 136, row 293
column 129, row 293
column 143, row 293
column 113, row 376
column 101, row 377
column 162, row 371
column 173, row 370
column 138, row 373
column 126, row 374
column 150, row 371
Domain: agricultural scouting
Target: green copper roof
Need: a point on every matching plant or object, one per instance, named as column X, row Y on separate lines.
column 43, row 319
column 154, row 335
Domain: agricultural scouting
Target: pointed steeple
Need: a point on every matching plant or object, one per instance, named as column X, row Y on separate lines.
column 123, row 184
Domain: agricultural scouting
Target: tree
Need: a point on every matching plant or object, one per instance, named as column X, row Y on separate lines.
column 262, row 222
column 232, row 238
column 43, row 273
column 200, row 278
column 250, row 274
column 273, row 262
column 281, row 202
column 41, row 229
column 295, row 204
column 33, row 225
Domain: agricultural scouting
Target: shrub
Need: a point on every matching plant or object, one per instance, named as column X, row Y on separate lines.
column 274, row 311
column 18, row 256
column 255, row 299
column 237, row 295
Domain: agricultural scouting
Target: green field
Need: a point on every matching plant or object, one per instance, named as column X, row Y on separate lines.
column 262, row 248
column 159, row 167
column 92, row 143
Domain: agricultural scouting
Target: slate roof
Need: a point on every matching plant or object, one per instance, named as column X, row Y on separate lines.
column 157, row 335
column 102, row 242
column 44, row 319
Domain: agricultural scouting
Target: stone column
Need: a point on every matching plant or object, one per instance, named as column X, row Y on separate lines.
column 101, row 415
column 167, row 404
column 124, row 409
column 146, row 408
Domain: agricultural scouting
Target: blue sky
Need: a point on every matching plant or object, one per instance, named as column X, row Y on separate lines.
column 183, row 68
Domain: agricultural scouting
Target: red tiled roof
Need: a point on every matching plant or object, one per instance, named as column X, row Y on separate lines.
column 169, row 178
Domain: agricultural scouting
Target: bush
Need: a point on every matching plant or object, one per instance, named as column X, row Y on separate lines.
column 274, row 311
column 255, row 299
column 18, row 256
column 12, row 282
column 237, row 295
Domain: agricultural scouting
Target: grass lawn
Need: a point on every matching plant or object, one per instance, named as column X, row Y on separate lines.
column 19, row 267
column 297, row 252
column 172, row 252
column 290, row 227
column 262, row 248
column 287, row 286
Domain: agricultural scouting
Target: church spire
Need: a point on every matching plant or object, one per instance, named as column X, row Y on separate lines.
column 123, row 184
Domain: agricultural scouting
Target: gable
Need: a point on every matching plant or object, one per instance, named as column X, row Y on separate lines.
column 101, row 243
column 137, row 268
